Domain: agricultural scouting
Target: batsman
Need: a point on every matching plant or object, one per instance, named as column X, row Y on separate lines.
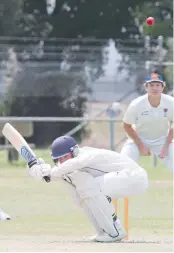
column 93, row 177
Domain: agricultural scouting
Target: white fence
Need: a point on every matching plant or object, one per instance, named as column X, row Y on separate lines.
column 54, row 119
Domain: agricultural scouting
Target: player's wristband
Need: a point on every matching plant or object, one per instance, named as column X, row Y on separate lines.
column 31, row 163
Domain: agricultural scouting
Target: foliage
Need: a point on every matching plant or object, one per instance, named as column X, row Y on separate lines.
column 10, row 14
column 70, row 19
column 29, row 89
column 168, row 71
column 28, row 94
column 162, row 11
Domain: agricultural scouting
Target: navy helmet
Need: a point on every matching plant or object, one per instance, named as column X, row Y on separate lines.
column 64, row 145
column 154, row 77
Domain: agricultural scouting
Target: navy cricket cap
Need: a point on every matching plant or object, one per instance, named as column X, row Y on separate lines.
column 154, row 77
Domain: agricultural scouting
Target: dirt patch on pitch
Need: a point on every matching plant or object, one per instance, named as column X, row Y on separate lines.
column 53, row 243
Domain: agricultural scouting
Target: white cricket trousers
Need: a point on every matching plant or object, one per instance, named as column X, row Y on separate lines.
column 124, row 183
column 131, row 150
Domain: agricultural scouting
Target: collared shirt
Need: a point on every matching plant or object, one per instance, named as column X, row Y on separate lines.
column 96, row 162
column 151, row 123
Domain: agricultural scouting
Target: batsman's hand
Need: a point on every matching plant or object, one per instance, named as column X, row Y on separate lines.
column 38, row 169
column 46, row 178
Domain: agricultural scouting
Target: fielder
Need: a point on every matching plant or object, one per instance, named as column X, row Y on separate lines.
column 4, row 216
column 148, row 123
column 94, row 176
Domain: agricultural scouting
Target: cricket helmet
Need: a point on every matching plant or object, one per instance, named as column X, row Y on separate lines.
column 64, row 145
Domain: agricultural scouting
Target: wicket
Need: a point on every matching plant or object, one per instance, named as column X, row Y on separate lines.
column 126, row 214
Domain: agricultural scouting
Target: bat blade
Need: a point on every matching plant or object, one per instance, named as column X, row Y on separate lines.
column 20, row 144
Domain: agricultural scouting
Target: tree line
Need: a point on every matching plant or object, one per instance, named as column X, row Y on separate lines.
column 44, row 92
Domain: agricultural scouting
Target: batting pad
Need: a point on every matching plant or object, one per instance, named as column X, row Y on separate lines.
column 94, row 203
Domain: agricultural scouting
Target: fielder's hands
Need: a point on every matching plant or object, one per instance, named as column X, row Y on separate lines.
column 144, row 151
column 39, row 170
column 163, row 153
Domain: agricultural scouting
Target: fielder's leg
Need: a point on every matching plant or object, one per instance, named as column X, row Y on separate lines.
column 169, row 159
column 131, row 150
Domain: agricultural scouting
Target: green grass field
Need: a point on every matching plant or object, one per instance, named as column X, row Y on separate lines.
column 44, row 218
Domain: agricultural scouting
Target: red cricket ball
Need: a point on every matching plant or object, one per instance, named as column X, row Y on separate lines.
column 150, row 21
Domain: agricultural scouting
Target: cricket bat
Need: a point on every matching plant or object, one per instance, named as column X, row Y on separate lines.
column 20, row 144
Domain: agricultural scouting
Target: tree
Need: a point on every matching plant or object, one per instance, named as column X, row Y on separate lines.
column 20, row 18
column 10, row 14
column 102, row 19
column 69, row 19
column 34, row 20
column 39, row 93
column 162, row 11
column 168, row 71
column 90, row 18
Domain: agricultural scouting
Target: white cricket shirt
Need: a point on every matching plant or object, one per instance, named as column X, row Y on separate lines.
column 151, row 123
column 95, row 161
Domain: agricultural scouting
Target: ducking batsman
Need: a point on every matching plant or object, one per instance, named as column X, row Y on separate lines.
column 93, row 177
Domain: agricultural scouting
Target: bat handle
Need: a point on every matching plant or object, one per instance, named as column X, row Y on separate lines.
column 47, row 179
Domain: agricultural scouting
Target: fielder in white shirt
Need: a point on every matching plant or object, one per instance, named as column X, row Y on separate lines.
column 148, row 123
column 93, row 177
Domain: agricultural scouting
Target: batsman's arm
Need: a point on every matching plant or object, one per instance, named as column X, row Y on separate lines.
column 67, row 167
column 71, row 165
column 40, row 171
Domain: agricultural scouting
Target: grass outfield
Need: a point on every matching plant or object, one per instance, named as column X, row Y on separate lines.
column 44, row 217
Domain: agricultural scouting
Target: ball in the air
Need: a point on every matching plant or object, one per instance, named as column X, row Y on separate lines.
column 150, row 21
